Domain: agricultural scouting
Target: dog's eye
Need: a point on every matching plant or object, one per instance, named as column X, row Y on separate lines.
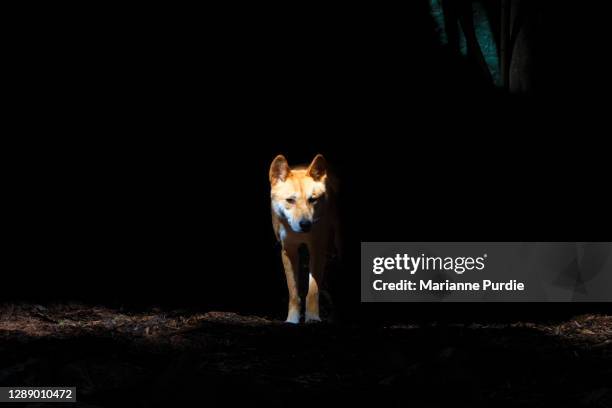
column 291, row 200
column 313, row 199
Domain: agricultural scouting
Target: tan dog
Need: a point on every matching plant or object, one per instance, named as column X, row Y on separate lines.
column 303, row 212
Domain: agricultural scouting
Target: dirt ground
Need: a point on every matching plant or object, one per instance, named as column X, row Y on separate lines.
column 179, row 357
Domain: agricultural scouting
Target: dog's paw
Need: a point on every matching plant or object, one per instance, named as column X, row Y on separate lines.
column 293, row 318
column 312, row 318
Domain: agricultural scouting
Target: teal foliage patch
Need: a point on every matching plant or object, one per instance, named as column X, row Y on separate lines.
column 484, row 34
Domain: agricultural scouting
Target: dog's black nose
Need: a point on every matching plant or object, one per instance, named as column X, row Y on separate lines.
column 305, row 225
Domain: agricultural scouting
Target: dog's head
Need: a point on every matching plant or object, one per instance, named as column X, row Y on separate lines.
column 298, row 194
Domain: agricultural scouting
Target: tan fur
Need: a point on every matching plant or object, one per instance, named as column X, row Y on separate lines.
column 305, row 194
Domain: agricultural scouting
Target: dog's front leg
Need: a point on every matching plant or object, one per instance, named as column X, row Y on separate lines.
column 291, row 263
column 315, row 280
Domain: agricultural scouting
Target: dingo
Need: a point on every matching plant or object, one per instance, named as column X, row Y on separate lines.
column 303, row 212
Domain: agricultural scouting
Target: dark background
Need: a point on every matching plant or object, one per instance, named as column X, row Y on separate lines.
column 139, row 172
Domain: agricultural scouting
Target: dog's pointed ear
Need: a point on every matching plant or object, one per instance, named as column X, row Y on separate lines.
column 279, row 169
column 318, row 168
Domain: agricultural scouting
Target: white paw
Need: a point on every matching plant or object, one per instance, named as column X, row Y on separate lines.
column 311, row 318
column 293, row 318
